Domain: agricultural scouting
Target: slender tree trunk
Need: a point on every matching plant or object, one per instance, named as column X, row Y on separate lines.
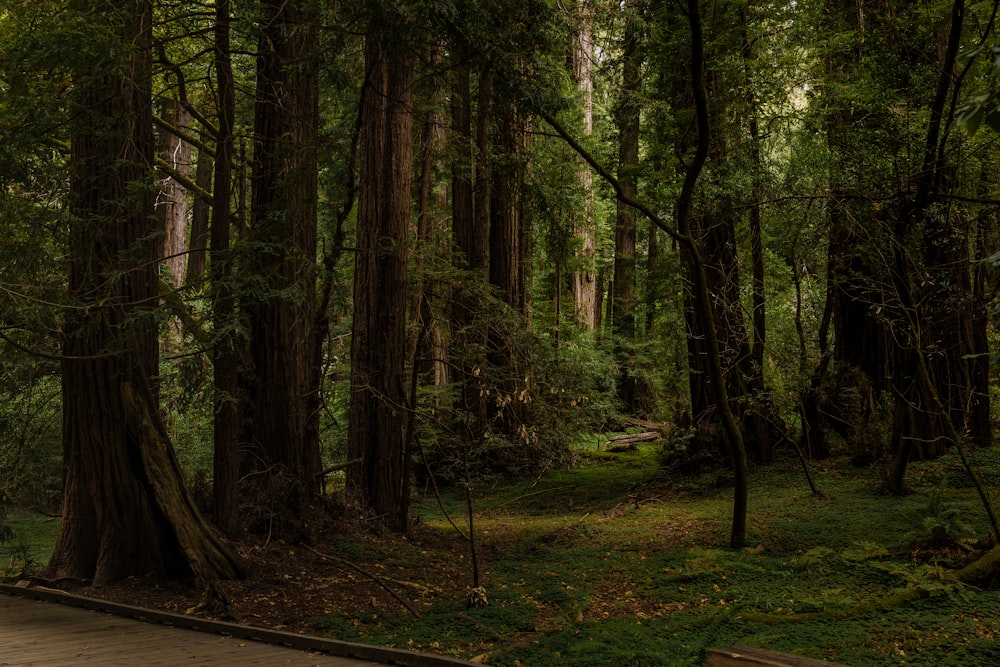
column 652, row 260
column 624, row 319
column 701, row 293
column 940, row 311
column 200, row 215
column 759, row 305
column 172, row 203
column 377, row 422
column 225, row 358
column 583, row 281
column 470, row 229
column 424, row 307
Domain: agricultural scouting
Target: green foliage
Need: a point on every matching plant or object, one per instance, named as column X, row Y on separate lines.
column 6, row 533
column 26, row 541
column 984, row 107
column 944, row 522
column 30, row 444
column 446, row 622
column 537, row 400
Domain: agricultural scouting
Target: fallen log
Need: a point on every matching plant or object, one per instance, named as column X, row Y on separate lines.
column 628, row 441
column 747, row 656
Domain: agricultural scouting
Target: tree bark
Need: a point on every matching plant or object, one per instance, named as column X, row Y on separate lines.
column 470, row 194
column 172, row 199
column 283, row 432
column 377, row 422
column 118, row 519
column 583, row 282
column 200, row 216
column 225, row 358
column 697, row 273
column 624, row 303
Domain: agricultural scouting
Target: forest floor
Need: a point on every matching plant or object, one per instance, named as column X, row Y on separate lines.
column 615, row 561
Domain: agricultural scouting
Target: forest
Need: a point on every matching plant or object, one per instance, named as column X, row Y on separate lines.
column 521, row 295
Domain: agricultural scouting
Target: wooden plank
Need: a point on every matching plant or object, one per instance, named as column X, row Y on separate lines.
column 750, row 656
column 87, row 633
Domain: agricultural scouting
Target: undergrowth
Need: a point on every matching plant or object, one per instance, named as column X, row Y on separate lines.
column 614, row 562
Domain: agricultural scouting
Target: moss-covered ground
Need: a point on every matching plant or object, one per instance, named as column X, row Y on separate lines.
column 615, row 561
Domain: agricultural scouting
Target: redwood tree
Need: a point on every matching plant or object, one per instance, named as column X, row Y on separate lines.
column 283, row 434
column 125, row 511
column 377, row 419
column 624, row 285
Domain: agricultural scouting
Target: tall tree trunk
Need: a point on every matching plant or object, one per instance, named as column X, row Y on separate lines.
column 200, row 215
column 172, row 199
column 759, row 305
column 940, row 307
column 701, row 291
column 424, row 306
column 377, row 423
column 652, row 260
column 125, row 511
column 507, row 270
column 624, row 302
column 714, row 225
column 583, row 281
column 470, row 229
column 283, row 434
column 225, row 358
column 506, row 229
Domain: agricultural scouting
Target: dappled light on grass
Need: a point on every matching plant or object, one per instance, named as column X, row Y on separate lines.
column 613, row 561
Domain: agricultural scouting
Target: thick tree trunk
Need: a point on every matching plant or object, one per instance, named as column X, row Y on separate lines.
column 283, row 435
column 118, row 518
column 377, row 422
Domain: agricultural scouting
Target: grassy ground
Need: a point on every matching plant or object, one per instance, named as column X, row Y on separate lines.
column 615, row 562
column 33, row 536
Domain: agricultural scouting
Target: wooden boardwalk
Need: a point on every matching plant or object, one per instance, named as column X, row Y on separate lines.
column 38, row 632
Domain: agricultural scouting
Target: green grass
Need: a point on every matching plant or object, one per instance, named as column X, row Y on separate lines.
column 611, row 562
column 29, row 548
column 614, row 561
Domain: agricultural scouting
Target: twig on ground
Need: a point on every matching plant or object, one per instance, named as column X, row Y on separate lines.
column 536, row 493
column 378, row 580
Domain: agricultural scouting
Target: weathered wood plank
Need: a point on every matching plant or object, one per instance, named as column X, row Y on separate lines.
column 749, row 656
column 42, row 633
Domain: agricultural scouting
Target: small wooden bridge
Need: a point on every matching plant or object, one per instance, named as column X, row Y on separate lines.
column 35, row 629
